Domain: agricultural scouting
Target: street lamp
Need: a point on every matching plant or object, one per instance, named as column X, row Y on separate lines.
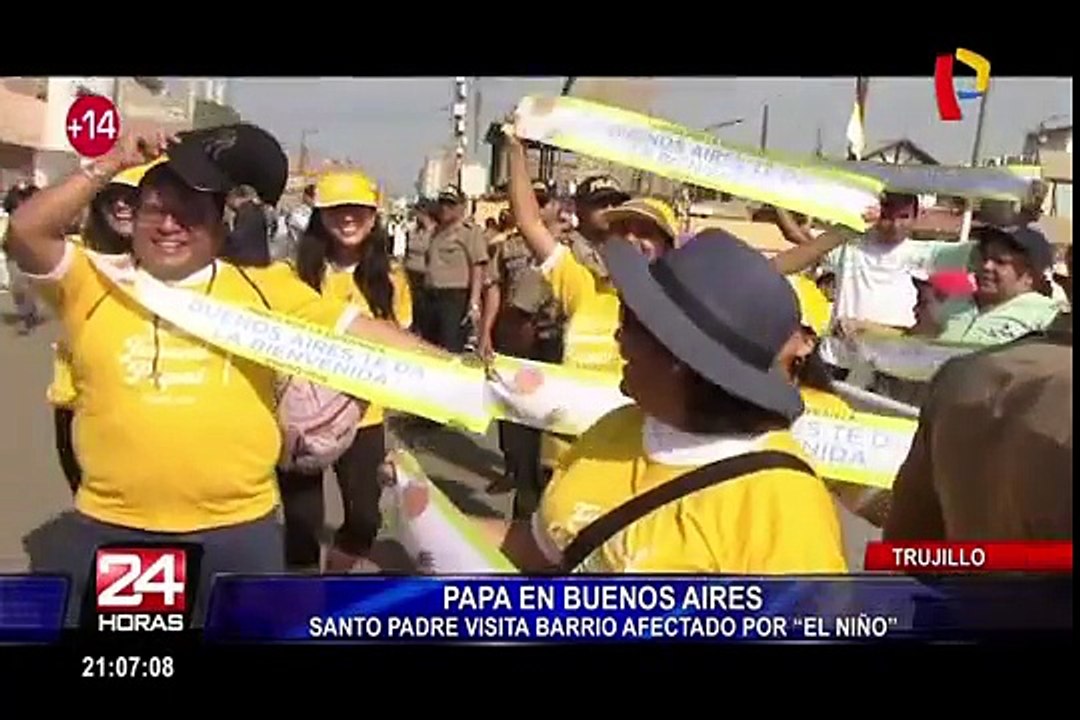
column 725, row 124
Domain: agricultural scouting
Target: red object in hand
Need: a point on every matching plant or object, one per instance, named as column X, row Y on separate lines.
column 952, row 283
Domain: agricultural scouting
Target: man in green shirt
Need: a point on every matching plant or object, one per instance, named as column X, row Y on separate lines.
column 1012, row 292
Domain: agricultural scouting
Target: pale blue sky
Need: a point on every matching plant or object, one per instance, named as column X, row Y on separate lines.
column 388, row 126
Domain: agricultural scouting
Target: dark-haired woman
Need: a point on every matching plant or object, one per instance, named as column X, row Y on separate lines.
column 109, row 224
column 344, row 254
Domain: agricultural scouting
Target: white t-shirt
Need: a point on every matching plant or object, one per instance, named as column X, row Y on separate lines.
column 874, row 280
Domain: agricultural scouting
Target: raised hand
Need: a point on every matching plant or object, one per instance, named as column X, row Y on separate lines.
column 135, row 149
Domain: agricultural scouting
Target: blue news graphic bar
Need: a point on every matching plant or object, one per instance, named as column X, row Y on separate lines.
column 32, row 608
column 372, row 609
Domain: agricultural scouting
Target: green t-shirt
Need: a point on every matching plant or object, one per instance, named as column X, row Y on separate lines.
column 964, row 323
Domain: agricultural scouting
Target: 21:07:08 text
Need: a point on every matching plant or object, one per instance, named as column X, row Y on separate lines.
column 127, row 666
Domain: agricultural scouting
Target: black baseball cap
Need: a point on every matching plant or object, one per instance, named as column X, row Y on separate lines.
column 601, row 189
column 1025, row 238
column 222, row 158
column 542, row 192
column 451, row 194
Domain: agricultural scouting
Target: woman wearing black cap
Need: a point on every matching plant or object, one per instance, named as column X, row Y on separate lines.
column 1012, row 296
column 701, row 334
column 177, row 439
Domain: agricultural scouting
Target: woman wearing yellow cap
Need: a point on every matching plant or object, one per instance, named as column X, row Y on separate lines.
column 344, row 254
column 109, row 224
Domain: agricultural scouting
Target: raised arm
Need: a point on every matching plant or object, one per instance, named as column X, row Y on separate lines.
column 36, row 231
column 523, row 202
column 792, row 231
column 809, row 253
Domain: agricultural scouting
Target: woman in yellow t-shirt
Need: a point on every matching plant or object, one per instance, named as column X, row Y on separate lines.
column 701, row 332
column 344, row 254
column 108, row 229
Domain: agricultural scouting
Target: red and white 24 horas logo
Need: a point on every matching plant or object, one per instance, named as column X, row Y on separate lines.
column 141, row 589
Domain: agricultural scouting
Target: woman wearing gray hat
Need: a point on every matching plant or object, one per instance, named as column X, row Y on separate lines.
column 702, row 473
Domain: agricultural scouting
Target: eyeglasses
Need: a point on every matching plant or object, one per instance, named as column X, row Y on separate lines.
column 188, row 216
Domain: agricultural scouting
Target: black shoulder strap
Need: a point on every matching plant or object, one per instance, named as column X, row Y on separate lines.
column 265, row 302
column 605, row 527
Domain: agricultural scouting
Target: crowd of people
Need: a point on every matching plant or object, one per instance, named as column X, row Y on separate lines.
column 721, row 349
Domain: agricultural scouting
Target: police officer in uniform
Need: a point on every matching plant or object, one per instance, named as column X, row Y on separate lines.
column 522, row 319
column 594, row 195
column 456, row 260
column 416, row 248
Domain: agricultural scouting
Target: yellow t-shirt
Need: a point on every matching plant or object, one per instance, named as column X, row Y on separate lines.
column 769, row 522
column 592, row 308
column 824, row 403
column 174, row 435
column 338, row 284
column 61, row 392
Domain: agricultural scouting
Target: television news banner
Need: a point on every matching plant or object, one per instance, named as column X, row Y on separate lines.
column 146, row 590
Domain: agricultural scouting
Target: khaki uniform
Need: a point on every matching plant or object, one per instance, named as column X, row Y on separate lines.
column 524, row 288
column 451, row 255
column 416, row 250
column 585, row 252
column 453, row 252
column 528, row 326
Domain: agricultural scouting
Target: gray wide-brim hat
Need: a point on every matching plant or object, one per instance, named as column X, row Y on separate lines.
column 718, row 306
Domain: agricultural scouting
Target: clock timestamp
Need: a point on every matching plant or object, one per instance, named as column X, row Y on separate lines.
column 127, row 666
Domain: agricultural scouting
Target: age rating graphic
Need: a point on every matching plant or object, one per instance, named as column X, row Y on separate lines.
column 93, row 125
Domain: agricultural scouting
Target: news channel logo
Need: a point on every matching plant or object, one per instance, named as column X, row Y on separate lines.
column 141, row 589
column 948, row 94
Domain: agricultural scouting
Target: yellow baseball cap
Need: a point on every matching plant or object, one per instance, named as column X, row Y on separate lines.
column 813, row 304
column 346, row 188
column 653, row 209
column 133, row 176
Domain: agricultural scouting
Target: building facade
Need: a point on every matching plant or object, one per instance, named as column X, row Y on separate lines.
column 33, row 120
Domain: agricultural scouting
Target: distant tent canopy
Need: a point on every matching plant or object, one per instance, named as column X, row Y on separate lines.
column 901, row 151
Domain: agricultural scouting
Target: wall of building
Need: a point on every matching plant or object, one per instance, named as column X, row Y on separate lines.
column 16, row 163
column 51, row 166
column 62, row 92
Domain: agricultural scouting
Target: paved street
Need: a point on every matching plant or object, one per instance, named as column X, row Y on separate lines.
column 34, row 496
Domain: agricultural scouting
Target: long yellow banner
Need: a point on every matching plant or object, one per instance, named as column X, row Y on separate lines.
column 856, row 448
column 698, row 158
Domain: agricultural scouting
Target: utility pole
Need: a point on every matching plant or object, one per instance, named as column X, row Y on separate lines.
column 765, row 127
column 477, row 102
column 460, row 110
column 976, row 147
